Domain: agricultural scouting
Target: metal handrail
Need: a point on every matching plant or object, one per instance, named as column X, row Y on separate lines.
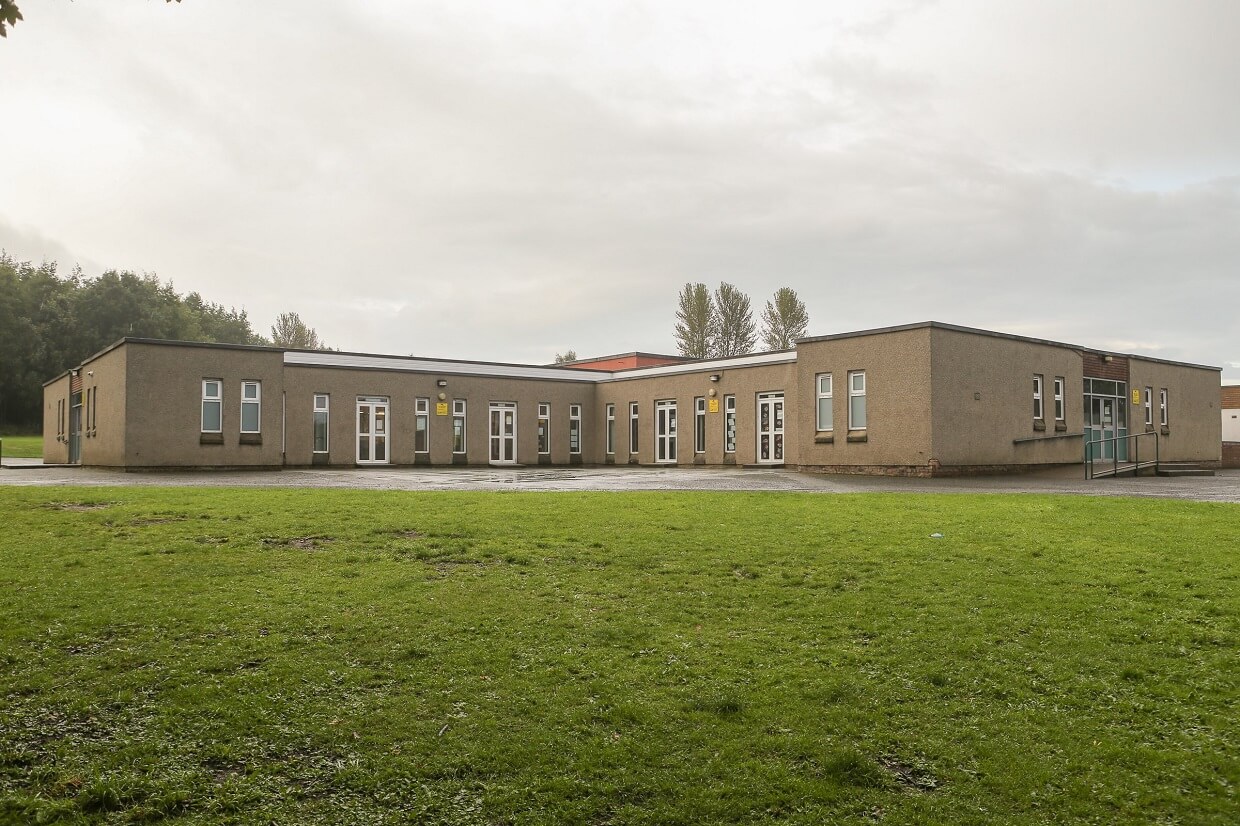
column 1135, row 450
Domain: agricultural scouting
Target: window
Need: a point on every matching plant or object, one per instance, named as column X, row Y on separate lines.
column 611, row 429
column 212, row 405
column 1059, row 398
column 699, row 424
column 729, row 424
column 856, row 400
column 421, row 425
column 826, row 403
column 60, row 418
column 321, row 403
column 1162, row 406
column 251, row 403
column 544, row 428
column 633, row 426
column 1037, row 396
column 458, row 425
column 574, row 428
column 1149, row 406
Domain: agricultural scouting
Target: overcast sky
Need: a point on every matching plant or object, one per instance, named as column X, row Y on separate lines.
column 507, row 180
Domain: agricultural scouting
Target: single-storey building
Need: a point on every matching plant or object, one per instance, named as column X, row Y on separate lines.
column 921, row 399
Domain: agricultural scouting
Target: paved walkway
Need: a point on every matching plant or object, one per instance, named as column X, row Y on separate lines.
column 1224, row 487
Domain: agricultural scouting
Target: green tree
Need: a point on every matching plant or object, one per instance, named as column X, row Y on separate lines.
column 10, row 14
column 566, row 357
column 290, row 331
column 736, row 332
column 784, row 320
column 696, row 322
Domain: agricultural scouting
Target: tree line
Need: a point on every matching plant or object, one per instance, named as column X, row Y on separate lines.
column 50, row 322
column 721, row 324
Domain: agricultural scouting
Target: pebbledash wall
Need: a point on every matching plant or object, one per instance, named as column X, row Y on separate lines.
column 922, row 399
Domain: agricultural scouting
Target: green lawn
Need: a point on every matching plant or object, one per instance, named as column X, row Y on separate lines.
column 21, row 447
column 314, row 656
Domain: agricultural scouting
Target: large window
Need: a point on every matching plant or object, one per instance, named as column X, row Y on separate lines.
column 421, row 425
column 856, row 400
column 729, row 424
column 699, row 424
column 1162, row 406
column 1149, row 406
column 458, row 425
column 826, row 403
column 212, row 405
column 544, row 428
column 321, row 411
column 251, row 406
column 574, row 428
column 1059, row 409
column 1037, row 396
column 633, row 426
column 611, row 429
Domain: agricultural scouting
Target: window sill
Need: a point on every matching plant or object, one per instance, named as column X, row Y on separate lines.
column 1039, row 424
column 858, row 436
column 1166, row 431
column 1060, row 427
column 824, row 439
column 251, row 439
column 211, row 439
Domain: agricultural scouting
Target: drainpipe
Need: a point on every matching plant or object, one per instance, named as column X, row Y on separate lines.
column 283, row 435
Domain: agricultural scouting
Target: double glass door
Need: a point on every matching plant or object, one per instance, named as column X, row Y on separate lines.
column 372, row 430
column 503, row 433
column 771, row 428
column 665, row 432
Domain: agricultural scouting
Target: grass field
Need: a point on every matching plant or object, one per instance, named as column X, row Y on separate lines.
column 21, row 447
column 314, row 656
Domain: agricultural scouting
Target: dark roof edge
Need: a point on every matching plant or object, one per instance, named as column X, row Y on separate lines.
column 956, row 328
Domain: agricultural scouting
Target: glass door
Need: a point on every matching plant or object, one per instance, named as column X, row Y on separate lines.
column 503, row 433
column 372, row 431
column 665, row 432
column 75, row 428
column 771, row 428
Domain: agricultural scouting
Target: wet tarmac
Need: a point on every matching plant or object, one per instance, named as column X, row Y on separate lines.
column 1224, row 487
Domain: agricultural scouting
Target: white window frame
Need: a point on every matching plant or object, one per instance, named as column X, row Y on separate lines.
column 729, row 424
column 827, row 395
column 544, row 429
column 325, row 409
column 699, row 424
column 217, row 400
column 634, row 426
column 574, row 429
column 459, row 422
column 1162, row 406
column 1149, row 406
column 855, row 393
column 1038, row 411
column 1059, row 405
column 610, row 430
column 422, row 424
column 256, row 401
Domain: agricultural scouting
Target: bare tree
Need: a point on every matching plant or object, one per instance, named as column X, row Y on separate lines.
column 784, row 320
column 736, row 332
column 695, row 322
column 290, row 331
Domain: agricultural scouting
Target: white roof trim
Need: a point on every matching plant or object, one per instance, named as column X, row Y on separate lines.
column 758, row 359
column 463, row 368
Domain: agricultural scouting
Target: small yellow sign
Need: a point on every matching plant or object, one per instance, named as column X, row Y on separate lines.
column 1136, row 396
column 441, row 408
column 714, row 405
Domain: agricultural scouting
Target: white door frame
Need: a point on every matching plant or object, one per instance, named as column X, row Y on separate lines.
column 665, row 432
column 374, row 431
column 502, row 442
column 770, row 423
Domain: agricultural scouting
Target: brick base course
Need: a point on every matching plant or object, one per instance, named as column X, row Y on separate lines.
column 1231, row 454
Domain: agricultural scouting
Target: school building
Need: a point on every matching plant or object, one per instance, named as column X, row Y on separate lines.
column 922, row 399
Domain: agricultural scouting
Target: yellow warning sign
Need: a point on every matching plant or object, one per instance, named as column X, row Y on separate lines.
column 714, row 405
column 1136, row 396
column 441, row 408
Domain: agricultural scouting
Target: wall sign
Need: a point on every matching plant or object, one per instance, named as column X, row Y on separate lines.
column 441, row 408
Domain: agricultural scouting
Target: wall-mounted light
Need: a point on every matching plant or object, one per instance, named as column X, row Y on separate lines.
column 90, row 372
column 1108, row 358
column 714, row 377
column 442, row 383
column 713, row 392
column 443, row 396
